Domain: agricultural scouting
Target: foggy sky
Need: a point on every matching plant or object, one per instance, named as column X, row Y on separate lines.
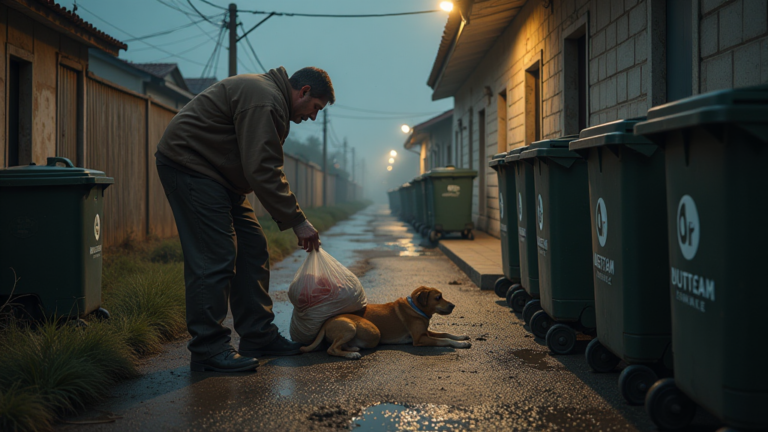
column 376, row 64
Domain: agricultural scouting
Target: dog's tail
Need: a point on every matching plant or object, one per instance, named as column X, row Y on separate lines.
column 317, row 341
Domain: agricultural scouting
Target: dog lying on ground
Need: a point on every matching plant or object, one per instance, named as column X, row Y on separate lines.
column 406, row 320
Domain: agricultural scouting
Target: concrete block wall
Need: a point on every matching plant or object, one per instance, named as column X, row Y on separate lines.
column 626, row 70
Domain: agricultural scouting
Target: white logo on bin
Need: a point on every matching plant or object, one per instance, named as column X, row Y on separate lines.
column 520, row 206
column 501, row 205
column 601, row 222
column 540, row 213
column 688, row 229
column 97, row 227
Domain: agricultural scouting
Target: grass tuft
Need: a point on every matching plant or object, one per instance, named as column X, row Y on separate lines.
column 168, row 251
column 23, row 409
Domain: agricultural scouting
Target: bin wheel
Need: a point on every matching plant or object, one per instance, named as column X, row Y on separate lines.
column 531, row 308
column 540, row 324
column 434, row 235
column 78, row 323
column 101, row 313
column 501, row 286
column 425, row 232
column 467, row 234
column 561, row 339
column 668, row 407
column 518, row 300
column 634, row 382
column 599, row 358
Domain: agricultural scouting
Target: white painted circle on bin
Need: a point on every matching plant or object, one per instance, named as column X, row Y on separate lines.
column 540, row 213
column 97, row 227
column 520, row 206
column 601, row 222
column 688, row 227
column 501, row 205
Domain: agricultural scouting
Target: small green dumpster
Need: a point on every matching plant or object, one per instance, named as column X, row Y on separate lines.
column 51, row 236
column 525, row 301
column 716, row 154
column 419, row 216
column 510, row 253
column 563, row 243
column 406, row 208
column 394, row 201
column 449, row 201
column 628, row 207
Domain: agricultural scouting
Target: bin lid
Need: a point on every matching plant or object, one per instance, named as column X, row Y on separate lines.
column 405, row 185
column 746, row 107
column 552, row 148
column 451, row 171
column 57, row 171
column 497, row 159
column 619, row 132
column 514, row 155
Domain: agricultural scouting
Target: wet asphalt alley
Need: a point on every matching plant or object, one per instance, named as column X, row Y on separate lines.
column 506, row 381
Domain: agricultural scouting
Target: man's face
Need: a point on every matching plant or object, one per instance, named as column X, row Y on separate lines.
column 305, row 106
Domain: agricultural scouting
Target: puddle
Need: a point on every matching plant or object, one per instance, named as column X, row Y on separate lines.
column 536, row 360
column 392, row 417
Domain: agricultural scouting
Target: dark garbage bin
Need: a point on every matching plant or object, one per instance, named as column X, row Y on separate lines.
column 716, row 154
column 567, row 296
column 419, row 216
column 510, row 253
column 51, row 234
column 525, row 301
column 406, row 207
column 449, row 201
column 627, row 196
column 394, row 200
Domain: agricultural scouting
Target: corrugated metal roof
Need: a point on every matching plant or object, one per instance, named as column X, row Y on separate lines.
column 464, row 44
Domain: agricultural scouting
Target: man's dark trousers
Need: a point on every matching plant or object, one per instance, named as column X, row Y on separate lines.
column 226, row 260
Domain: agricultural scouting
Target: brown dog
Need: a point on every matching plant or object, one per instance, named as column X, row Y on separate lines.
column 406, row 320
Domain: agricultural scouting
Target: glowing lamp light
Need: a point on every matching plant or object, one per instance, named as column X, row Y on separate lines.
column 393, row 153
column 405, row 128
column 446, row 6
column 389, row 168
column 391, row 160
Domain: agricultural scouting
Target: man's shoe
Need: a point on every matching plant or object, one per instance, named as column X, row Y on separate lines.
column 228, row 361
column 278, row 347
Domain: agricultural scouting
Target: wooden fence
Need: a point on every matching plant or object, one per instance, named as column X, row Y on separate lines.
column 122, row 132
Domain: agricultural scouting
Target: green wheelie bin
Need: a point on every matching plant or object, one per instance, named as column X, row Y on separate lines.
column 510, row 254
column 627, row 197
column 394, row 201
column 563, row 243
column 406, row 208
column 449, row 201
column 716, row 155
column 51, row 234
column 525, row 301
column 419, row 216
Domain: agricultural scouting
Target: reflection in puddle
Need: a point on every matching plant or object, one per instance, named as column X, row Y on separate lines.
column 536, row 359
column 391, row 417
column 284, row 387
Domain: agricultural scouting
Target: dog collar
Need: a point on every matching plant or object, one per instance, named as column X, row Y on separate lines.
column 413, row 305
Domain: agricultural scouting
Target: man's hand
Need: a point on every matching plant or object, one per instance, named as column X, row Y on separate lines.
column 309, row 238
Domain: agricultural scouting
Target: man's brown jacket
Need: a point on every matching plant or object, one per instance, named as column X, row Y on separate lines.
column 233, row 133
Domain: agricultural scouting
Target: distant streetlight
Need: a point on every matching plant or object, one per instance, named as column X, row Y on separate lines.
column 405, row 128
column 389, row 168
column 446, row 6
column 391, row 160
column 393, row 153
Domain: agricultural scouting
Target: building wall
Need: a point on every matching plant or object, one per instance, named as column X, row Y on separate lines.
column 626, row 71
column 44, row 47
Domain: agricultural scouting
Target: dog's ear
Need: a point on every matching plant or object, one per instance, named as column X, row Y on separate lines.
column 422, row 296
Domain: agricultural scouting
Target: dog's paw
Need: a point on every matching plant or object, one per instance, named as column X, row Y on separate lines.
column 353, row 356
column 463, row 345
column 463, row 337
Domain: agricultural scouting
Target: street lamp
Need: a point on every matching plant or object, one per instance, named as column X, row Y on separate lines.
column 391, row 160
column 405, row 128
column 389, row 168
column 393, row 153
column 446, row 6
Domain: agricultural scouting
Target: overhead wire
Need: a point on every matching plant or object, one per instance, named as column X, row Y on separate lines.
column 253, row 51
column 165, row 32
column 291, row 14
column 351, row 108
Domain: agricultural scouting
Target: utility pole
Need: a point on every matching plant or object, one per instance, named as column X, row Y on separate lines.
column 325, row 153
column 353, row 164
column 232, row 39
column 346, row 167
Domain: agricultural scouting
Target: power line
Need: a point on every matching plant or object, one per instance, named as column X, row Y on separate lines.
column 292, row 14
column 347, row 107
column 197, row 36
column 248, row 42
column 198, row 12
column 379, row 117
column 209, row 64
column 176, row 8
column 165, row 32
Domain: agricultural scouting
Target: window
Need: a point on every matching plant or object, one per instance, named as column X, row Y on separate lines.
column 501, row 109
column 575, row 112
column 533, row 103
column 19, row 112
column 679, row 50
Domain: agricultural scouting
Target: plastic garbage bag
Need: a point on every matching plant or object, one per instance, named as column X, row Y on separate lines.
column 321, row 289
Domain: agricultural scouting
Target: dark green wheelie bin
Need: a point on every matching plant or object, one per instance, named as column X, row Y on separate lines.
column 394, row 201
column 525, row 301
column 51, row 233
column 716, row 153
column 563, row 243
column 627, row 196
column 406, row 207
column 449, row 201
column 419, row 215
column 510, row 254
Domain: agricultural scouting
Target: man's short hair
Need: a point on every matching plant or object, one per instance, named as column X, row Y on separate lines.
column 318, row 81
